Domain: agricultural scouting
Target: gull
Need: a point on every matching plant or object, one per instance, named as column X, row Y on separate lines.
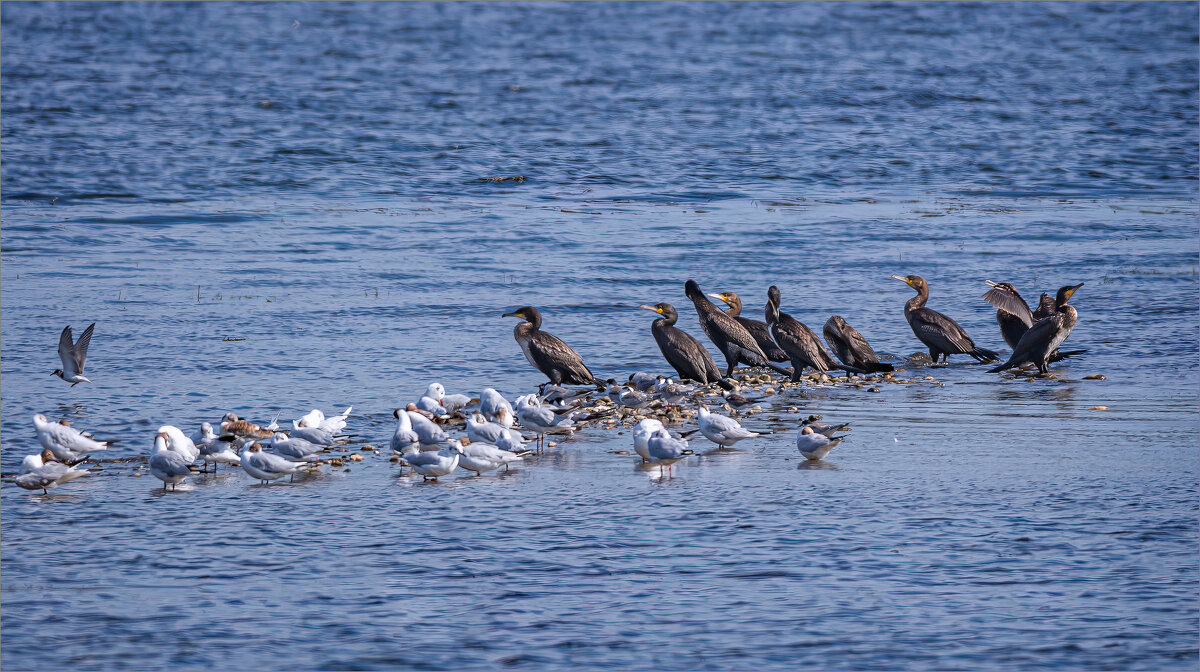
column 552, row 393
column 429, row 434
column 431, row 464
column 815, row 446
column 827, row 429
column 626, row 396
column 721, row 430
column 295, row 449
column 41, row 472
column 267, row 467
column 316, row 419
column 541, row 419
column 641, row 436
column 431, row 401
column 65, row 442
column 178, row 442
column 482, row 431
column 167, row 465
column 404, row 436
column 665, row 450
column 73, row 355
column 455, row 402
column 313, row 435
column 481, row 457
column 213, row 450
column 672, row 392
column 643, row 381
column 493, row 405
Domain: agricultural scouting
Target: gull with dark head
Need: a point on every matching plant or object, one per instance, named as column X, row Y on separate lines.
column 73, row 355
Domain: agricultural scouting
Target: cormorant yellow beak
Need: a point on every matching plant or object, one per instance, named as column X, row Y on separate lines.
column 903, row 279
column 653, row 308
column 513, row 315
column 717, row 296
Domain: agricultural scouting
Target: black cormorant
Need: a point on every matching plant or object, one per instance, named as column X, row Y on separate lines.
column 801, row 344
column 939, row 333
column 851, row 348
column 759, row 330
column 731, row 338
column 690, row 359
column 1044, row 337
column 1015, row 318
column 546, row 352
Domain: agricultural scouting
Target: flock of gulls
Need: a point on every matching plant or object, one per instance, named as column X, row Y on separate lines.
column 498, row 433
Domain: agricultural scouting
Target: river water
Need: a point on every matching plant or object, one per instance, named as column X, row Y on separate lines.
column 268, row 208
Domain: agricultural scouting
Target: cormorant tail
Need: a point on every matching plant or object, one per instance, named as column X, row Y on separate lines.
column 984, row 355
column 1060, row 355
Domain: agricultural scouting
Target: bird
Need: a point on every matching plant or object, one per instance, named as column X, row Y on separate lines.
column 1015, row 318
column 431, row 401
column 682, row 351
column 557, row 393
column 480, row 457
column 42, row 472
column 730, row 337
column 178, row 442
column 66, row 443
column 267, row 467
column 213, row 450
column 641, row 436
column 481, row 431
column 546, row 352
column 73, row 355
column 1044, row 337
column 642, row 380
column 542, row 420
column 851, row 348
column 316, row 419
column 814, row 445
column 167, row 465
column 429, row 434
column 721, row 430
column 404, row 437
column 493, row 406
column 627, row 397
column 827, row 429
column 759, row 330
column 294, row 449
column 231, row 424
column 665, row 450
column 430, row 465
column 311, row 434
column 671, row 392
column 796, row 339
column 939, row 333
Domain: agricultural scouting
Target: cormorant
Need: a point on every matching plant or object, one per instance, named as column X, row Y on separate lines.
column 939, row 333
column 689, row 358
column 731, row 338
column 546, row 352
column 1044, row 337
column 851, row 348
column 796, row 339
column 759, row 330
column 1015, row 318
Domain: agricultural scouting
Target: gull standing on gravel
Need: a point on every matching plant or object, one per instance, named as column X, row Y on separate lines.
column 267, row 467
column 213, row 450
column 429, row 434
column 671, row 392
column 295, row 449
column 167, row 465
column 73, row 355
column 627, row 397
column 721, row 430
column 813, row 445
column 41, row 472
column 66, row 443
column 178, row 442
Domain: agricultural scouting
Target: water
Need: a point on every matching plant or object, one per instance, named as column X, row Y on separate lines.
column 314, row 179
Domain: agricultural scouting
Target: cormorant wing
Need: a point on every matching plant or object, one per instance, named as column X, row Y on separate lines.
column 931, row 326
column 1009, row 301
column 1037, row 338
column 551, row 352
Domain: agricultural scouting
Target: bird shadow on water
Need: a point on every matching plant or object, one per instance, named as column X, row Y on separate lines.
column 182, row 488
column 817, row 464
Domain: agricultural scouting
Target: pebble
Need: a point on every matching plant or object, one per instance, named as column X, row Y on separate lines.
column 138, row 475
column 1095, row 376
column 368, row 448
column 356, row 458
column 337, row 462
column 395, row 458
column 551, row 444
column 1098, row 408
column 873, row 389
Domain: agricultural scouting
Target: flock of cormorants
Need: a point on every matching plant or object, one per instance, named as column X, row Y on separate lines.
column 1034, row 336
